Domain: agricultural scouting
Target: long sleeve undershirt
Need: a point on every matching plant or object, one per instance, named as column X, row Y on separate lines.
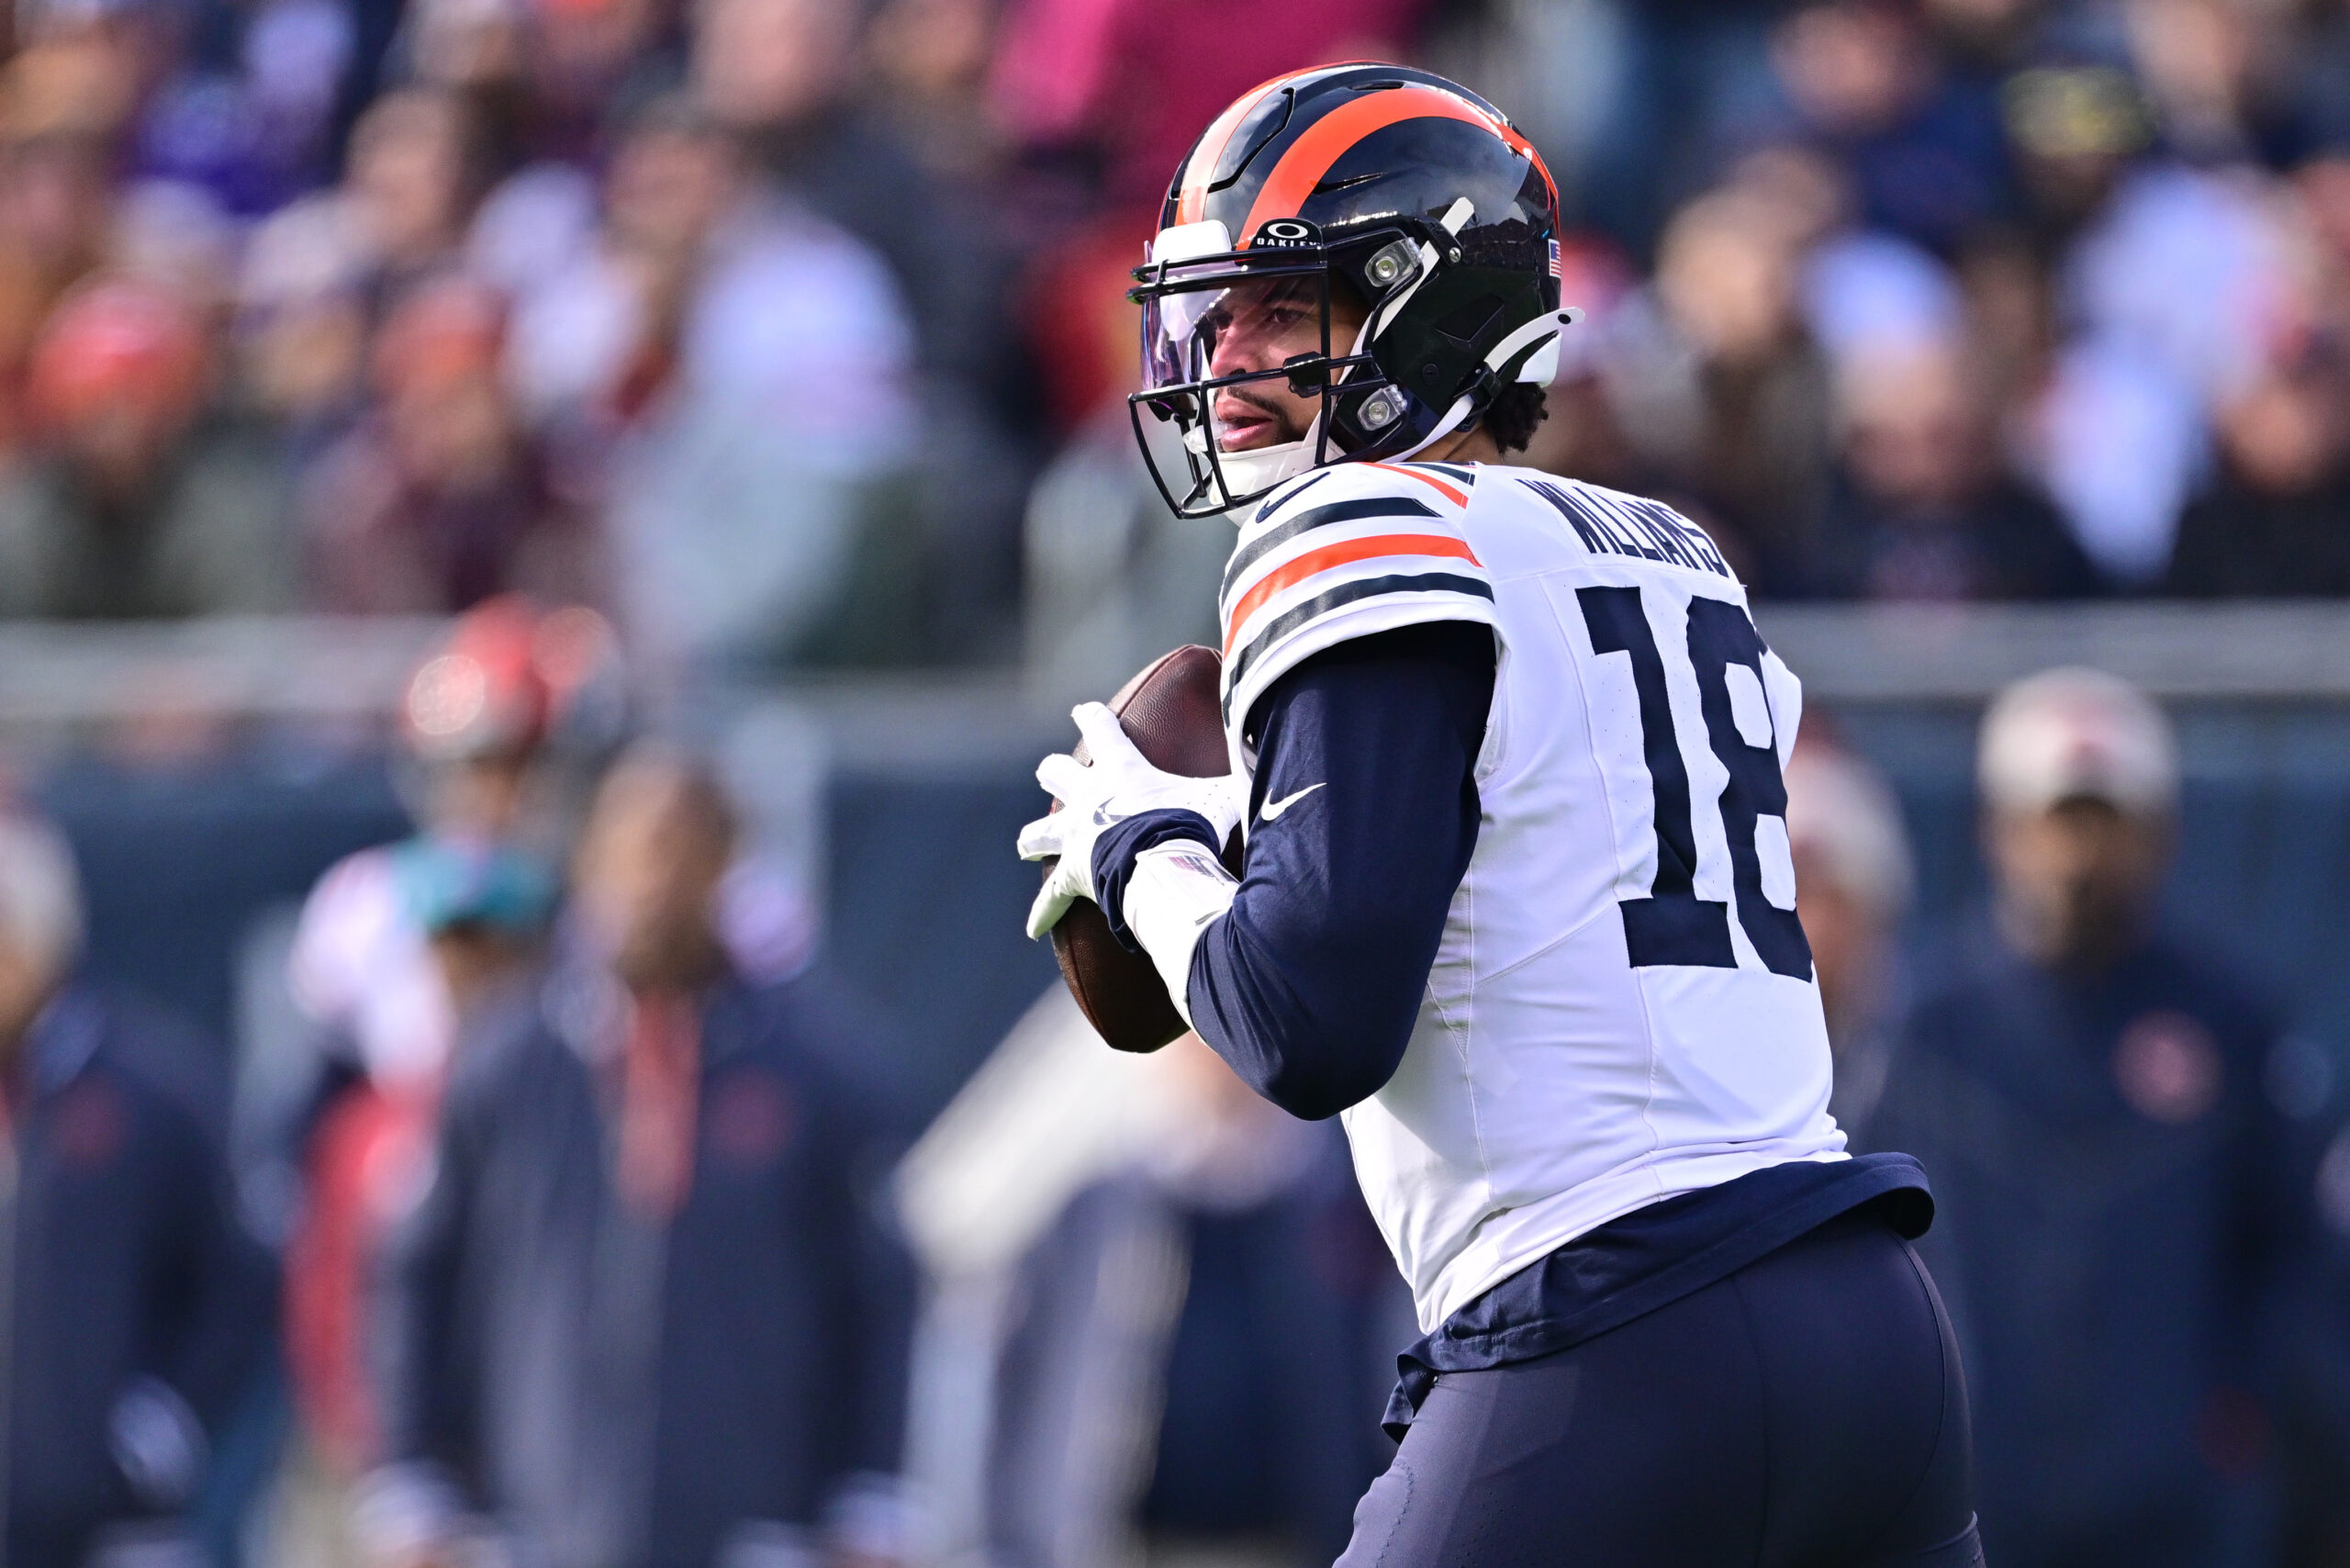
column 1310, row 985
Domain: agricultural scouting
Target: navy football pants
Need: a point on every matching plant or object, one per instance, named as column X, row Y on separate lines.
column 1806, row 1412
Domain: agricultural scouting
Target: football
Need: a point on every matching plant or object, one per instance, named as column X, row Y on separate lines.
column 1171, row 711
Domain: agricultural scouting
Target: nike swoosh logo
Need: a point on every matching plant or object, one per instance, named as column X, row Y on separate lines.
column 1273, row 809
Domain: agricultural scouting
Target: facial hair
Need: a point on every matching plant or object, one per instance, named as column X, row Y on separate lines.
column 1286, row 428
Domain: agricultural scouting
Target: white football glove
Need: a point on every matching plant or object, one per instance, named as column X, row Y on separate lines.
column 1120, row 783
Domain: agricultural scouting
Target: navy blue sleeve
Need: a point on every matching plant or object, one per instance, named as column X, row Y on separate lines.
column 1113, row 859
column 1365, row 811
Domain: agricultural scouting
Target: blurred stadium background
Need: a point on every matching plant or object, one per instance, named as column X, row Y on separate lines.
column 1984, row 335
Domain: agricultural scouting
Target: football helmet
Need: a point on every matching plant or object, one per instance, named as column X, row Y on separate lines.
column 1408, row 192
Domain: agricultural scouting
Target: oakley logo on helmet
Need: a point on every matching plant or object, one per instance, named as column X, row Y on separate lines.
column 1402, row 198
column 1288, row 232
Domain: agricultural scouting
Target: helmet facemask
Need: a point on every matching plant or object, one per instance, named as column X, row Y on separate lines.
column 1196, row 290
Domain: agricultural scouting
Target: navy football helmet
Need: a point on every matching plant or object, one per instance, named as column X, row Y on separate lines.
column 1405, row 190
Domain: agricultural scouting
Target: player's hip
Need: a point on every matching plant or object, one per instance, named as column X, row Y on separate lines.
column 1805, row 1410
column 1460, row 1220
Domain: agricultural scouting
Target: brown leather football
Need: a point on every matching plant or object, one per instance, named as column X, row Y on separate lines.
column 1171, row 711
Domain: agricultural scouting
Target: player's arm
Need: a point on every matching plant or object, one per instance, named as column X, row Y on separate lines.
column 1308, row 978
column 1360, row 655
column 1310, row 984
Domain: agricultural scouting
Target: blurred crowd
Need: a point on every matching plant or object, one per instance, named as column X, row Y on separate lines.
column 789, row 332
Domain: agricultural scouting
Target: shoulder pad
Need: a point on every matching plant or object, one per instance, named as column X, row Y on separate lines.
column 1346, row 552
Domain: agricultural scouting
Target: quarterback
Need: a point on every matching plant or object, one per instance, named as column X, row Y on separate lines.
column 1516, row 901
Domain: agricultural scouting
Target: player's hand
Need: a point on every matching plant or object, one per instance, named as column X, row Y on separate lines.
column 1120, row 783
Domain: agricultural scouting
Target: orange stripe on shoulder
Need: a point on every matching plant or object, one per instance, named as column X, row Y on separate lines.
column 1191, row 202
column 1290, row 572
column 1323, row 143
column 1451, row 492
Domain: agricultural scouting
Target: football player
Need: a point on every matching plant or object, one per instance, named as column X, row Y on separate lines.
column 1516, row 901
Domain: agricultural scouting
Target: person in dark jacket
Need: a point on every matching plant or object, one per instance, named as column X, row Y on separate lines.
column 137, row 1309
column 1923, row 507
column 644, row 1313
column 2270, row 523
column 2121, row 1169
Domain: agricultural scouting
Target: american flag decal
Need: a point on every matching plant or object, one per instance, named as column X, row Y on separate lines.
column 1554, row 258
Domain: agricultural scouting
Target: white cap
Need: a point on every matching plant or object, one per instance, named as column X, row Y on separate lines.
column 1840, row 810
column 2069, row 733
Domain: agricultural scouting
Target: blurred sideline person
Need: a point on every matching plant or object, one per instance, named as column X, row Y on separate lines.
column 386, row 943
column 1198, row 1348
column 2123, row 1199
column 137, row 1306
column 643, row 1314
column 1852, row 881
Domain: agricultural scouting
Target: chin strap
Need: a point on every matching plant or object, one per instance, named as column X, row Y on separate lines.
column 1247, row 473
column 1534, row 345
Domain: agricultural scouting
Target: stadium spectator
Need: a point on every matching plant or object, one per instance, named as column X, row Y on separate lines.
column 2270, row 520
column 2275, row 521
column 300, row 330
column 1924, row 508
column 1924, row 145
column 643, row 1314
column 63, row 107
column 135, row 504
column 738, row 368
column 137, row 1307
column 441, row 499
column 2118, row 437
column 320, row 274
column 420, row 161
column 1200, row 1349
column 2121, row 1199
column 1852, row 885
column 247, row 113
column 1718, row 385
column 796, row 79
column 1127, row 84
column 780, row 73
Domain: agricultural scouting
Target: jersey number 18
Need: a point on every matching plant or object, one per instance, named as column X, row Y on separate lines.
column 1672, row 925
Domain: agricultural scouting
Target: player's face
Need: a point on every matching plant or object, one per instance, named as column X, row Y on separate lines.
column 1261, row 325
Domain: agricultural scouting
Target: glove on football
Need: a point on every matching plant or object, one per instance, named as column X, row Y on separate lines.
column 1119, row 784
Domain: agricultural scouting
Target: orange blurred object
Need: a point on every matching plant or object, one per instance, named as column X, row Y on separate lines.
column 367, row 1159
column 444, row 335
column 487, row 693
column 115, row 342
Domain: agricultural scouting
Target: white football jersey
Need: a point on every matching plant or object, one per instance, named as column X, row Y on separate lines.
column 1623, row 1006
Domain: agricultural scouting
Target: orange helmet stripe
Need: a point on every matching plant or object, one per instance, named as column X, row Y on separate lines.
column 1294, row 572
column 1327, row 140
column 1192, row 198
